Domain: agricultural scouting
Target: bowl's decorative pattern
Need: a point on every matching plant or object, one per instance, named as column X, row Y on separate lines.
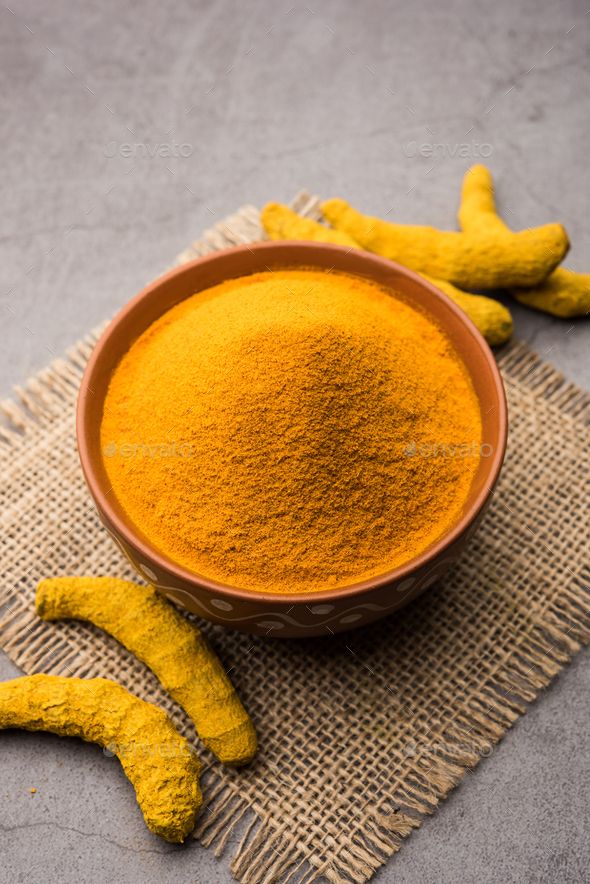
column 304, row 617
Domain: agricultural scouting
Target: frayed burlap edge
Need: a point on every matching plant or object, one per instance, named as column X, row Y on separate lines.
column 266, row 852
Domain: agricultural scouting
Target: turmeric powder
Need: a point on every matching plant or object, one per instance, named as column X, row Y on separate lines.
column 174, row 649
column 160, row 764
column 488, row 315
column 318, row 429
column 483, row 259
column 563, row 293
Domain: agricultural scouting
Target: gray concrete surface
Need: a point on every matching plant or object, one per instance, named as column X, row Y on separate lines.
column 385, row 103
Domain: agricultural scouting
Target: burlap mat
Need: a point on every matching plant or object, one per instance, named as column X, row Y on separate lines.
column 360, row 734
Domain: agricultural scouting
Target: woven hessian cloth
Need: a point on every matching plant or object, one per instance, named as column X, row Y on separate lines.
column 361, row 734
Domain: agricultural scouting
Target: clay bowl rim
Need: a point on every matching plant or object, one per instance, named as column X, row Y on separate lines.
column 85, row 426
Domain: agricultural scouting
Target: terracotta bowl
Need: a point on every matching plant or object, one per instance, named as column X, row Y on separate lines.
column 265, row 613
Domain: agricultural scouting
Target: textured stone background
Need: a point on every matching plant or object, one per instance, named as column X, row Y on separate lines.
column 384, row 103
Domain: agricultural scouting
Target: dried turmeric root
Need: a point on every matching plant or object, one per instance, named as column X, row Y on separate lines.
column 281, row 222
column 174, row 649
column 491, row 318
column 160, row 764
column 477, row 209
column 479, row 259
column 564, row 293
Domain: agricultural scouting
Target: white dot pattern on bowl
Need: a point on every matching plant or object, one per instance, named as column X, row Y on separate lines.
column 321, row 609
column 147, row 572
column 430, row 581
column 405, row 585
column 222, row 605
column 351, row 618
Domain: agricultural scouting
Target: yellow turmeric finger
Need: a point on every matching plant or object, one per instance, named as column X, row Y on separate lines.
column 491, row 318
column 281, row 222
column 164, row 640
column 478, row 259
column 564, row 293
column 160, row 764
column 477, row 209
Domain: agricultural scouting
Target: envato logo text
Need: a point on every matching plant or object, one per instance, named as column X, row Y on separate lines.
column 141, row 149
column 157, row 449
column 431, row 149
column 441, row 449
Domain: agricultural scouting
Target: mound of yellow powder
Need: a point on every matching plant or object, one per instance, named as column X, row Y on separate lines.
column 292, row 431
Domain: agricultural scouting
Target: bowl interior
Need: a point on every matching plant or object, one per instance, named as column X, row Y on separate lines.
column 196, row 276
